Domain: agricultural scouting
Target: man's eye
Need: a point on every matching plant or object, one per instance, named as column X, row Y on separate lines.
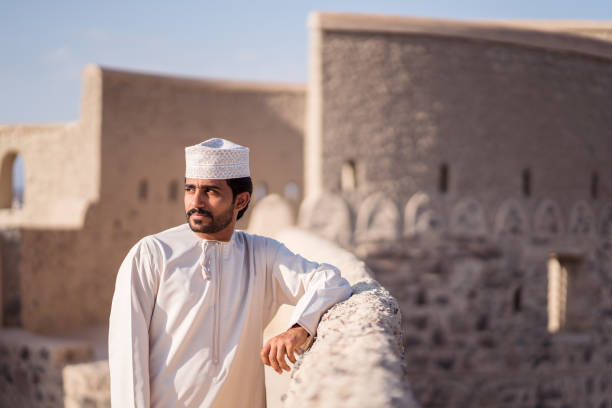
column 189, row 189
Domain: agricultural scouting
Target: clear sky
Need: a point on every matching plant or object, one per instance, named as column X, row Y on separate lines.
column 44, row 45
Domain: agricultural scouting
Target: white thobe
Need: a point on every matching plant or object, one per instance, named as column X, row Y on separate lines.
column 187, row 318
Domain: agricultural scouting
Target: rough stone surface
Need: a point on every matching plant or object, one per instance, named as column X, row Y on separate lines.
column 400, row 105
column 357, row 356
column 494, row 145
column 31, row 368
column 87, row 385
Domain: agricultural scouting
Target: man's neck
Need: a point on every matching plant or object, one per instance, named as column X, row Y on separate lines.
column 224, row 235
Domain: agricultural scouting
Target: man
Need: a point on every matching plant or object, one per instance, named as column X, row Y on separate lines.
column 191, row 302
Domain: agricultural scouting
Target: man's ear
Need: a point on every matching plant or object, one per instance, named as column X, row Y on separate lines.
column 242, row 200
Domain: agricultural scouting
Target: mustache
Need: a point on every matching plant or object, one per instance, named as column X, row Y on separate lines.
column 199, row 211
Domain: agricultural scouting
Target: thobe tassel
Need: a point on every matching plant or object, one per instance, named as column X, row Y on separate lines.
column 204, row 261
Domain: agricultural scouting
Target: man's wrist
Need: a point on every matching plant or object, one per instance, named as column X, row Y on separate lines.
column 307, row 342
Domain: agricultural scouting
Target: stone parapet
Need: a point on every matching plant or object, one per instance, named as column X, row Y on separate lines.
column 87, row 385
column 356, row 360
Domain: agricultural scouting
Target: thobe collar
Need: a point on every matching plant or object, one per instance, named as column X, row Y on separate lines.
column 200, row 241
column 204, row 244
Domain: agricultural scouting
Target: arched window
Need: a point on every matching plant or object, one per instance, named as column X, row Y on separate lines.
column 292, row 191
column 12, row 181
column 348, row 178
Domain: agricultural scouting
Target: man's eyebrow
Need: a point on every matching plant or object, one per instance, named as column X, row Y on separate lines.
column 206, row 186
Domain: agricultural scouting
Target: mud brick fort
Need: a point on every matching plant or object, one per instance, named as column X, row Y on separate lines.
column 465, row 166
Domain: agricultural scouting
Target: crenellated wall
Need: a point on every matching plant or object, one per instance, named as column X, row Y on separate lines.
column 474, row 289
column 378, row 221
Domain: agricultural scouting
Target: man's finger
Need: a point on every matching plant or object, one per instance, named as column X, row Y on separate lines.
column 280, row 357
column 290, row 355
column 264, row 354
column 273, row 362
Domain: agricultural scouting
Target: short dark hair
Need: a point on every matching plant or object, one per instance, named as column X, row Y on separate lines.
column 241, row 185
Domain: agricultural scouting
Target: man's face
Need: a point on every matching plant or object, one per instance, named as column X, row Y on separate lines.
column 209, row 205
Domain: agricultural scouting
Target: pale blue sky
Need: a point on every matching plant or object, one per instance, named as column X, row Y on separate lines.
column 44, row 45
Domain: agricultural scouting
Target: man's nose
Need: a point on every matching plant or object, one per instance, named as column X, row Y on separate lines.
column 198, row 199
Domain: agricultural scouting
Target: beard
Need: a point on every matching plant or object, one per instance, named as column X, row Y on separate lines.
column 215, row 224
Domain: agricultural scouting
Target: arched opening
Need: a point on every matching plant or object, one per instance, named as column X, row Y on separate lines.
column 348, row 178
column 12, row 181
column 292, row 191
column 443, row 178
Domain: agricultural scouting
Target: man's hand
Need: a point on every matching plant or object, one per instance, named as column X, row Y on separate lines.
column 273, row 353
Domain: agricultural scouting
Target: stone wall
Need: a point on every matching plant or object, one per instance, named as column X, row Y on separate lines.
column 10, row 282
column 458, row 159
column 87, row 385
column 356, row 360
column 399, row 98
column 475, row 330
column 474, row 292
column 31, row 368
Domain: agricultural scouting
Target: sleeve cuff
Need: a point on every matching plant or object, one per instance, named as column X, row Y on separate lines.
column 309, row 340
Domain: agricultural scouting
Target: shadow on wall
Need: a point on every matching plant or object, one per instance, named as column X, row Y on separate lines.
column 12, row 181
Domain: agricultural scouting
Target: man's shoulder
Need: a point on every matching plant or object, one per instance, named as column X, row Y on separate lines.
column 172, row 234
column 257, row 241
column 155, row 242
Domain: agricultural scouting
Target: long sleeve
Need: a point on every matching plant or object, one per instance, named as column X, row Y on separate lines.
column 311, row 287
column 130, row 316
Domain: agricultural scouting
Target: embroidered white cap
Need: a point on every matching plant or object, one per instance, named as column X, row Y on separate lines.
column 216, row 159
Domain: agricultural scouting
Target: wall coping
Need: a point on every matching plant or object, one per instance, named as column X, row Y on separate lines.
column 10, row 129
column 204, row 83
column 551, row 35
column 357, row 357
